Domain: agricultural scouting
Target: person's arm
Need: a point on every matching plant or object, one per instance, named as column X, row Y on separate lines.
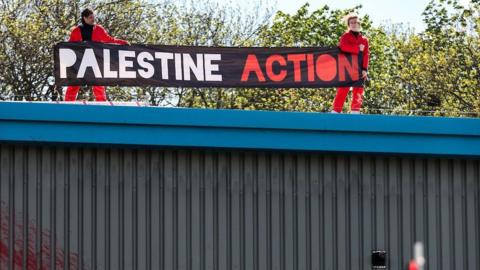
column 366, row 57
column 75, row 35
column 347, row 46
column 105, row 37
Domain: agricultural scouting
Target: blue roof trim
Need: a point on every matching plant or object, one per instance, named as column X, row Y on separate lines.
column 152, row 126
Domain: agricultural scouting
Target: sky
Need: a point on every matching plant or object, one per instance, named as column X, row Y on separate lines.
column 395, row 11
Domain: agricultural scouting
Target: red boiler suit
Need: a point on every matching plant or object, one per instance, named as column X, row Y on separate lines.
column 350, row 43
column 99, row 34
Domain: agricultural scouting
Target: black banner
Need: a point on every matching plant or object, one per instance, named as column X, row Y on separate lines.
column 89, row 63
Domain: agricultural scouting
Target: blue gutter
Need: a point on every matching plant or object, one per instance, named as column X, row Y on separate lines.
column 236, row 129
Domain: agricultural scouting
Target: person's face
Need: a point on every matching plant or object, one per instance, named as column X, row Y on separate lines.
column 90, row 19
column 354, row 25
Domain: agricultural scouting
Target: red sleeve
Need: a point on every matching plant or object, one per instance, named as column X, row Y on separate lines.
column 106, row 38
column 75, row 35
column 347, row 46
column 366, row 55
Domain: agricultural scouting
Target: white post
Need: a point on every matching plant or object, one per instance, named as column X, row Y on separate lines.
column 418, row 255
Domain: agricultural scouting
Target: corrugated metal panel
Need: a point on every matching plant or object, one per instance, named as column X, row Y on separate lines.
column 105, row 208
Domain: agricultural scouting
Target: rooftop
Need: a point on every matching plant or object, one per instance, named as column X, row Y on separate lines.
column 23, row 122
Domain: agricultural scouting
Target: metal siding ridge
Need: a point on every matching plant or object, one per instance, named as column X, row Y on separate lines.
column 96, row 208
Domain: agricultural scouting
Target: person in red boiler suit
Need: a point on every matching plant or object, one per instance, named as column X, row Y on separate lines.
column 90, row 31
column 352, row 42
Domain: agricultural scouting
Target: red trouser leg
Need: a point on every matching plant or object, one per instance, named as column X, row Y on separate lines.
column 71, row 94
column 339, row 100
column 99, row 92
column 357, row 99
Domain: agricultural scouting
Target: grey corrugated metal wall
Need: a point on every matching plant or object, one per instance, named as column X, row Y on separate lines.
column 180, row 209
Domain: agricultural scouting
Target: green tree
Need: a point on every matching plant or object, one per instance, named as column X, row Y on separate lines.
column 440, row 67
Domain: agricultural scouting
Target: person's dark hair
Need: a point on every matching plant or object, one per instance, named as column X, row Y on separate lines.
column 85, row 13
